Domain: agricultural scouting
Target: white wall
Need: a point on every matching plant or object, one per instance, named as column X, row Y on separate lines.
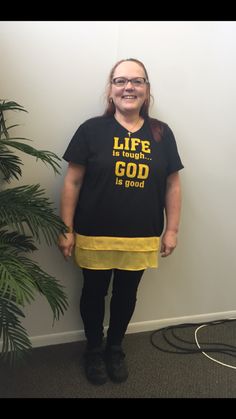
column 58, row 71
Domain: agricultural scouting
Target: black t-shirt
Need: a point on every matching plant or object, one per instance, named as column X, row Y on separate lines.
column 123, row 193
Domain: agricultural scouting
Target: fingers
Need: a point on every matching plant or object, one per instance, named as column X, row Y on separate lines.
column 66, row 246
column 67, row 253
column 166, row 251
column 169, row 242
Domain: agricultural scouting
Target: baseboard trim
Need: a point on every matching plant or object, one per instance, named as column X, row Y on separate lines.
column 138, row 327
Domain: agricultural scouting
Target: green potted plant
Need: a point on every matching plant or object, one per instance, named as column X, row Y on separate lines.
column 26, row 216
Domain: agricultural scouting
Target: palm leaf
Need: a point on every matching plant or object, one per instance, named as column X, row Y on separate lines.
column 16, row 242
column 15, row 341
column 9, row 164
column 27, row 205
column 16, row 279
column 24, row 209
column 47, row 157
column 8, row 106
column 11, row 106
column 12, row 126
column 21, row 277
column 6, row 129
column 50, row 288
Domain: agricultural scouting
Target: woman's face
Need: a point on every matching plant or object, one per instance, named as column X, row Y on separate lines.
column 129, row 98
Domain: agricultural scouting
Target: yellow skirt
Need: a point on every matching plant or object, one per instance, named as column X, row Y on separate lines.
column 131, row 254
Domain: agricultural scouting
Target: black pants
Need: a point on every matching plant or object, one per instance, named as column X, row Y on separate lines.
column 122, row 305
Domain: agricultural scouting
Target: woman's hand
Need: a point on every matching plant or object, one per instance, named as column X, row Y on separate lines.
column 168, row 243
column 66, row 244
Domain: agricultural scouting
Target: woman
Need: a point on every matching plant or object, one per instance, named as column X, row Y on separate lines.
column 122, row 174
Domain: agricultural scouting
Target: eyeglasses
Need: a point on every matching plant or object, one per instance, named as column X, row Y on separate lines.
column 122, row 81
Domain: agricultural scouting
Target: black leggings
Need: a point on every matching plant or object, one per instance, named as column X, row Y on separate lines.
column 122, row 305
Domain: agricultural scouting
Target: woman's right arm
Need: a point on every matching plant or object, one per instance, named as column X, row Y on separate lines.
column 69, row 197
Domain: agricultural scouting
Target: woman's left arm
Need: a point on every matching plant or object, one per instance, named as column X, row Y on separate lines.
column 172, row 210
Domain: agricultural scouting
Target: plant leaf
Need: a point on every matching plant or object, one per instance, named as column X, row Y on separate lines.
column 11, row 106
column 16, row 242
column 7, row 106
column 27, row 205
column 16, row 279
column 25, row 209
column 47, row 157
column 9, row 164
column 15, row 341
column 51, row 289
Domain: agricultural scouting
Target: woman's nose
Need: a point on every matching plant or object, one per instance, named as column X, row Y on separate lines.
column 129, row 85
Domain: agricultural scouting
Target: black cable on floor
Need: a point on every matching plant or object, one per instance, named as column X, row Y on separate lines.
column 178, row 345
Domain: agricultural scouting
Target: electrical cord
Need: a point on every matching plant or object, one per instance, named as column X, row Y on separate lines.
column 204, row 353
column 218, row 346
column 177, row 345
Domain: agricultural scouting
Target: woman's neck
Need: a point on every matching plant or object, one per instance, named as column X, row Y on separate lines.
column 127, row 118
column 130, row 123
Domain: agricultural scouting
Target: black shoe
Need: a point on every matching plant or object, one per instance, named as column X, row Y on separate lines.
column 116, row 365
column 95, row 368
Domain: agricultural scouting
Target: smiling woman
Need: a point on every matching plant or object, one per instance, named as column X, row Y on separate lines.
column 122, row 174
column 129, row 89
